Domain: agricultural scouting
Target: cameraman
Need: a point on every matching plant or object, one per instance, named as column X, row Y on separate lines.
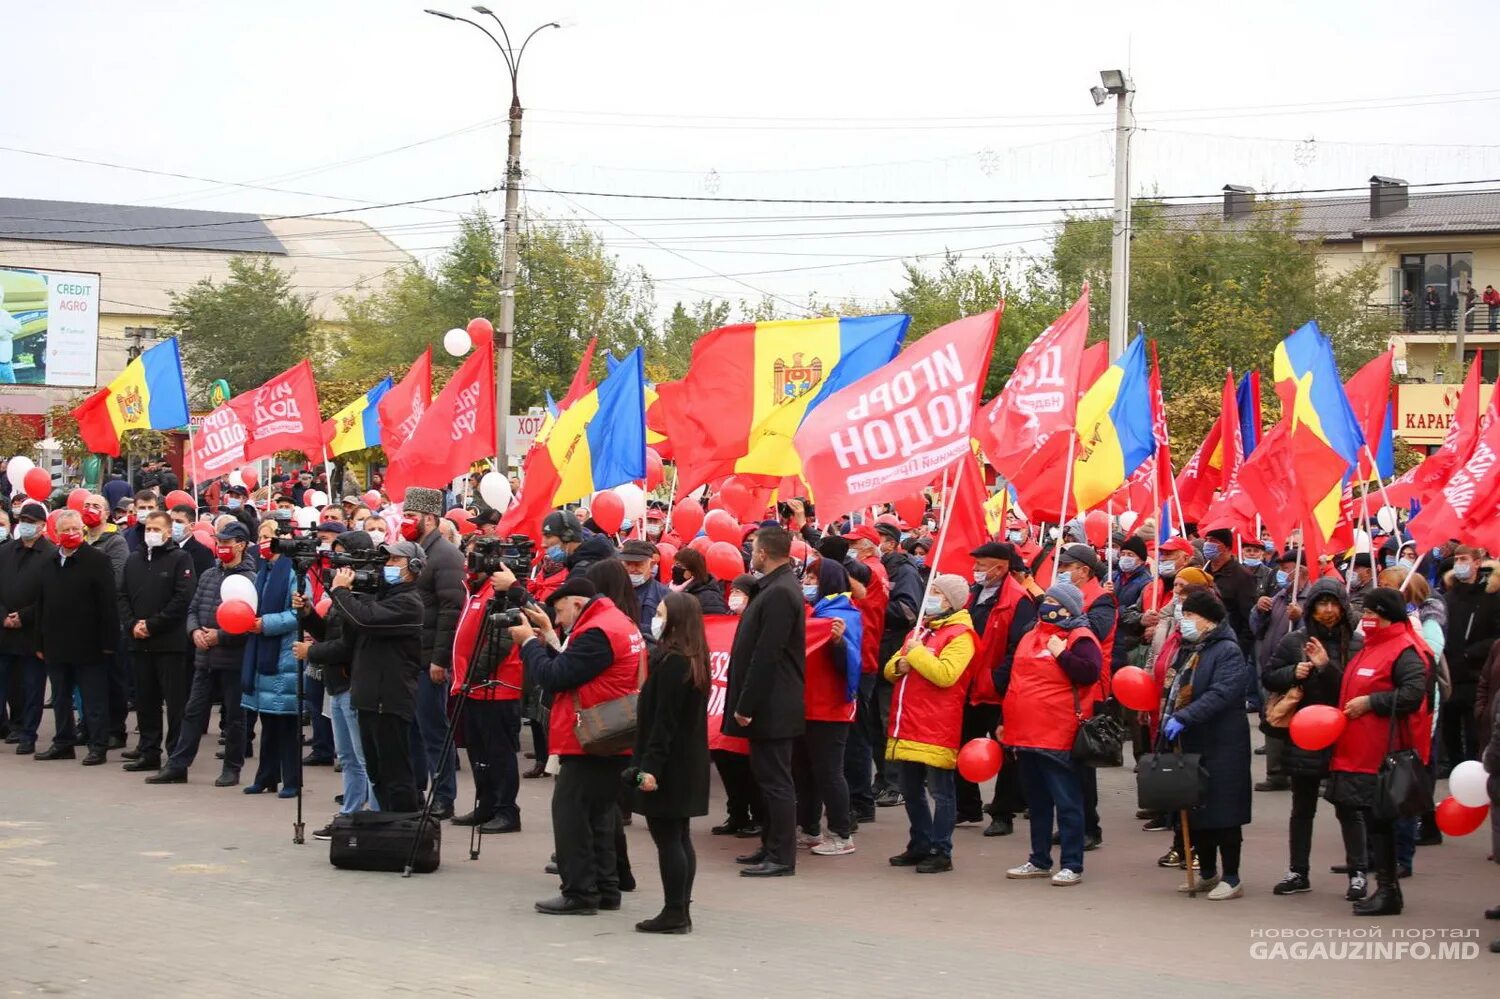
column 385, row 662
column 492, row 716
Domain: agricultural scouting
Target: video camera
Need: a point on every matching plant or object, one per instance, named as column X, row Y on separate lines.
column 369, row 569
column 488, row 555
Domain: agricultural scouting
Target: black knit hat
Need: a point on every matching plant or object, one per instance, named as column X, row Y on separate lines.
column 1135, row 545
column 1386, row 602
column 1205, row 605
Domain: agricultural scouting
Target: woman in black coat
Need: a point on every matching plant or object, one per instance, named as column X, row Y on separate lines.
column 1205, row 714
column 671, row 753
column 690, row 570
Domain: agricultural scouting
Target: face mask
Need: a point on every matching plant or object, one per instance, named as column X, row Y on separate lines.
column 4, row 534
column 1463, row 570
column 679, row 575
column 1167, row 570
column 325, row 546
column 1176, row 611
column 92, row 519
column 1212, row 550
column 264, row 549
column 225, row 553
column 392, row 574
column 281, row 514
column 1189, row 629
column 1052, row 611
column 70, row 542
column 136, row 516
column 1253, row 563
column 155, row 539
column 1406, row 564
column 653, row 530
column 378, row 537
column 25, row 532
column 120, row 520
column 980, row 576
column 232, row 503
column 658, row 625
column 638, row 579
column 932, row 606
column 409, row 528
column 1282, row 578
column 737, row 603
column 810, row 592
column 179, row 531
column 555, row 553
column 919, row 561
column 1015, row 537
column 1129, row 563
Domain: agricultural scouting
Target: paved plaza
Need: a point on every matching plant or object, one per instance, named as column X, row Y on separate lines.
column 112, row 888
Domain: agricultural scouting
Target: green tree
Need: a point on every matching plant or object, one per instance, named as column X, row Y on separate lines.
column 681, row 330
column 17, row 437
column 246, row 330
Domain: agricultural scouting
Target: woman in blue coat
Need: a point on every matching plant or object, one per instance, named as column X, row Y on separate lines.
column 269, row 672
column 1204, row 713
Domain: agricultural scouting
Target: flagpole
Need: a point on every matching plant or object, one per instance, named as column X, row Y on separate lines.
column 1296, row 572
column 1109, row 540
column 1385, row 497
column 1062, row 511
column 937, row 552
column 193, row 465
column 671, row 502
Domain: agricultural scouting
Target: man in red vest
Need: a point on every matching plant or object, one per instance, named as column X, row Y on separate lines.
column 599, row 663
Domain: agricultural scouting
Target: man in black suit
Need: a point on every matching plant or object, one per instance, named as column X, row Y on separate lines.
column 764, row 700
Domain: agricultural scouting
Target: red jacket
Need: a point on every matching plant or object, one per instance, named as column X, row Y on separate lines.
column 1364, row 742
column 1039, row 712
column 617, row 680
column 872, row 614
column 1491, row 296
column 509, row 670
column 927, row 706
column 993, row 642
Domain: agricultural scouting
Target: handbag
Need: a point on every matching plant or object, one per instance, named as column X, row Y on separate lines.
column 1403, row 784
column 1170, row 782
column 1099, row 741
column 607, row 728
column 1281, row 707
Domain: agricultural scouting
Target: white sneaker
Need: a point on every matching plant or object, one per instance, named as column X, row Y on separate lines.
column 1066, row 878
column 835, row 846
column 805, row 840
column 1224, row 890
column 1199, row 884
column 1028, row 870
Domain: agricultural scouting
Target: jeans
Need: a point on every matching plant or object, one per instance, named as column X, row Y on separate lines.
column 931, row 829
column 210, row 685
column 351, row 752
column 323, row 745
column 818, row 772
column 92, row 680
column 429, row 732
column 32, row 673
column 1052, row 788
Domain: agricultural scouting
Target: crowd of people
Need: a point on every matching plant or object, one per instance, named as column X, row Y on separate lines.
column 855, row 674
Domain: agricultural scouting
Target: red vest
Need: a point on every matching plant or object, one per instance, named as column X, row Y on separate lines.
column 993, row 642
column 825, row 682
column 543, row 587
column 872, row 614
column 1363, row 744
column 1091, row 594
column 1039, row 701
column 509, row 670
column 617, row 680
column 923, row 712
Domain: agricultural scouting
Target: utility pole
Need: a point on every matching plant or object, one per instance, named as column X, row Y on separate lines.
column 1461, row 288
column 1123, row 88
column 505, row 332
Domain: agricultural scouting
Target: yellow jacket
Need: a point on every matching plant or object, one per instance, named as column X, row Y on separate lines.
column 927, row 706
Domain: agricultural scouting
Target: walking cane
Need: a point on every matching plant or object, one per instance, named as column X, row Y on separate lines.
column 298, row 827
column 1187, row 845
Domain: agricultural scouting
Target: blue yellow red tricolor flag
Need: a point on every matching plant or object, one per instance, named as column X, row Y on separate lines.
column 357, row 425
column 1114, row 428
column 148, row 395
column 750, row 385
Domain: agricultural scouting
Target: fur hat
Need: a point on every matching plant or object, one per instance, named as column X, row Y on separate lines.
column 1205, row 604
column 422, row 500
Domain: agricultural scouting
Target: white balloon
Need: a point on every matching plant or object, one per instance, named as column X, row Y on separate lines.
column 1361, row 542
column 239, row 587
column 315, row 498
column 457, row 342
column 1467, row 784
column 306, row 517
column 16, row 471
column 1127, row 520
column 235, row 479
column 494, row 489
column 634, row 498
column 1386, row 518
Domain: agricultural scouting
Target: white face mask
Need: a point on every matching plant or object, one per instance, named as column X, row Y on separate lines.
column 1128, row 563
column 932, row 606
column 377, row 536
column 658, row 625
column 638, row 579
column 737, row 603
column 155, row 539
column 980, row 576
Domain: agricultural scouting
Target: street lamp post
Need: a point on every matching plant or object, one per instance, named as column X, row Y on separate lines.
column 1123, row 88
column 510, row 254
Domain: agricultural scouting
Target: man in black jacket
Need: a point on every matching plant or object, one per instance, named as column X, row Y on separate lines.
column 441, row 587
column 183, row 518
column 22, row 563
column 159, row 586
column 79, row 616
column 764, row 699
column 1237, row 585
column 906, row 590
column 1471, row 591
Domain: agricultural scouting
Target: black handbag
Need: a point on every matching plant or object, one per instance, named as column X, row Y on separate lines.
column 1170, row 782
column 1403, row 784
column 1099, row 741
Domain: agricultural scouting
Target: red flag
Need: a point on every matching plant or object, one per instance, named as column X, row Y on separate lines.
column 282, row 415
column 457, row 428
column 1152, row 481
column 1317, row 468
column 580, row 386
column 1268, row 481
column 1095, row 362
column 902, row 426
column 964, row 528
column 401, row 408
column 218, row 444
column 1423, row 482
column 1369, row 393
column 1445, row 516
column 1482, row 525
column 1041, row 398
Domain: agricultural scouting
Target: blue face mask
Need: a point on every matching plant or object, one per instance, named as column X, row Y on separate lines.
column 555, row 553
column 232, row 503
column 26, row 531
column 1405, row 564
column 1282, row 578
column 1212, row 550
column 392, row 574
column 1253, row 563
column 811, row 592
column 1189, row 629
column 179, row 531
column 932, row 606
column 4, row 534
column 1015, row 537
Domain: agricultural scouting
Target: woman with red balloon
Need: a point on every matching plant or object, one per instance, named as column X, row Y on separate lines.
column 1384, row 696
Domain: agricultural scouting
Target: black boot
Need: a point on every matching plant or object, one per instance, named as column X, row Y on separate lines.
column 1385, row 902
column 1387, row 898
column 673, row 919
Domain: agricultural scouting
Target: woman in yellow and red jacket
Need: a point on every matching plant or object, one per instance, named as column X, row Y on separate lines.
column 926, row 723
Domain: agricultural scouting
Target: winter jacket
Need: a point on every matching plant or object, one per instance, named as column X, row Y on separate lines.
column 1473, row 626
column 272, row 693
column 595, row 548
column 710, row 595
column 1129, row 589
column 768, row 661
column 927, row 704
column 1238, row 588
column 21, row 571
column 386, row 656
column 906, row 596
column 78, row 608
column 1279, row 674
column 1215, row 724
column 1487, row 696
column 671, row 740
column 441, row 587
column 112, row 543
column 159, row 587
column 203, row 613
column 649, row 595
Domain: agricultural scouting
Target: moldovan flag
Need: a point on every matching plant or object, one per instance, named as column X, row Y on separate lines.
column 899, row 428
column 357, row 425
column 600, row 440
column 148, row 395
column 282, row 415
column 456, row 429
column 1114, row 428
column 750, row 385
column 401, row 409
column 1312, row 396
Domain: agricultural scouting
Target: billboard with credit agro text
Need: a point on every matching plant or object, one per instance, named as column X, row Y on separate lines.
column 49, row 327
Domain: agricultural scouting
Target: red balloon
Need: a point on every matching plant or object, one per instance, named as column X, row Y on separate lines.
column 1455, row 818
column 687, row 518
column 720, row 526
column 1135, row 689
column 1096, row 528
column 739, row 499
column 664, row 569
column 52, row 525
column 372, row 500
column 1317, row 726
column 179, row 497
column 911, row 509
column 323, row 605
column 249, row 476
column 480, row 326
column 236, row 616
column 608, row 511
column 76, row 499
column 979, row 760
column 799, row 550
column 205, row 536
column 724, row 560
column 38, row 484
column 655, row 474
column 701, row 544
column 716, row 502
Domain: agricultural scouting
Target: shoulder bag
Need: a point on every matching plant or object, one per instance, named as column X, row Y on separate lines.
column 1403, row 784
column 607, row 728
column 1100, row 740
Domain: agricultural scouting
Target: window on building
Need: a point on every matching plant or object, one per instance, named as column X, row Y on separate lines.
column 1443, row 271
column 1490, row 369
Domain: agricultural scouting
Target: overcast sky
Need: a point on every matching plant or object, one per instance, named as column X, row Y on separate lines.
column 867, row 100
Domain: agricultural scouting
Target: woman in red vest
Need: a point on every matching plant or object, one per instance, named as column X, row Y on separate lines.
column 927, row 713
column 1384, row 696
column 1046, row 698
